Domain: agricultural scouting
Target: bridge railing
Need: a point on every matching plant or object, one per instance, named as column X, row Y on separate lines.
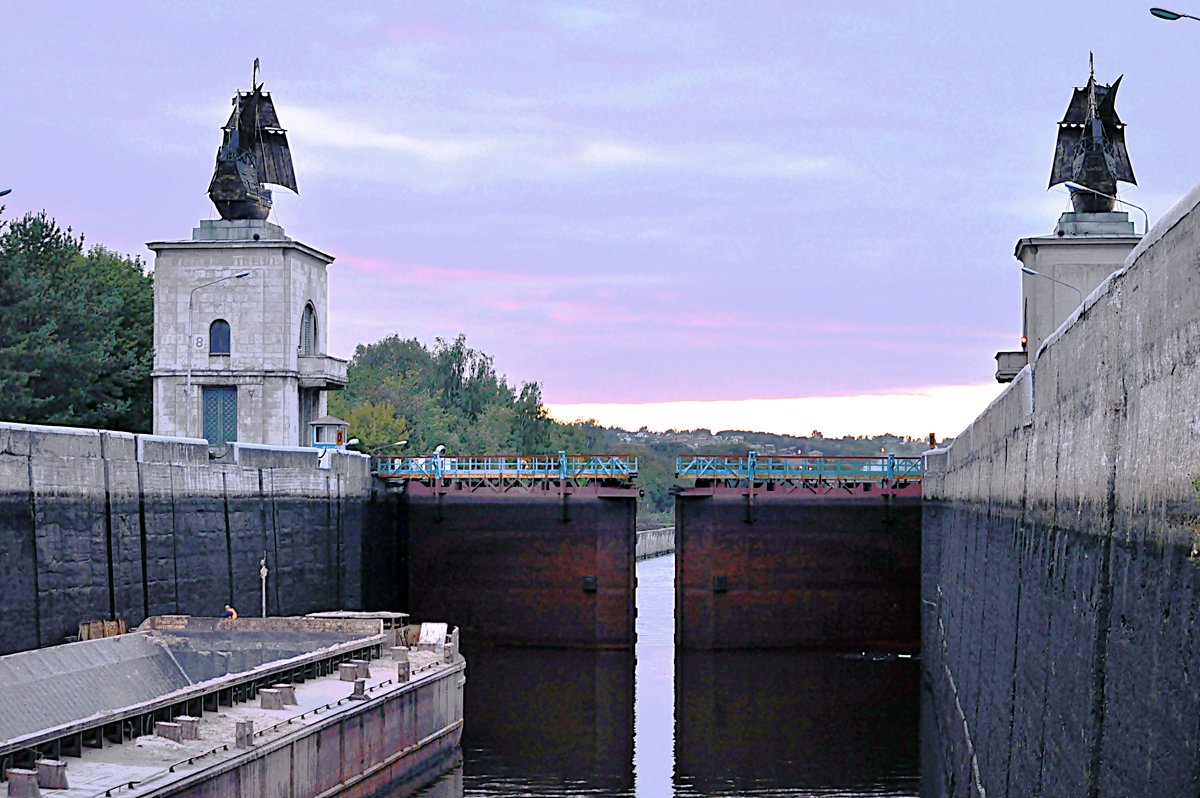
column 563, row 466
column 752, row 467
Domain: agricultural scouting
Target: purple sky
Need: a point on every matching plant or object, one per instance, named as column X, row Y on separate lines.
column 627, row 202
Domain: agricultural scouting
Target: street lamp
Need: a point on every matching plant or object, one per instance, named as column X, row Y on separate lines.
column 387, row 446
column 1077, row 187
column 4, row 191
column 191, row 342
column 1170, row 16
column 1033, row 273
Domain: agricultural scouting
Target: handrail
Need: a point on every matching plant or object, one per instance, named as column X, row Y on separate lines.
column 889, row 467
column 508, row 466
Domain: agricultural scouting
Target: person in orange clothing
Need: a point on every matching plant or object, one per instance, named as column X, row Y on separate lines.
column 230, row 612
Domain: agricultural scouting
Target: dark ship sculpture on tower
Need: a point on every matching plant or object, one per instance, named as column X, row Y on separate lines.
column 1091, row 147
column 254, row 151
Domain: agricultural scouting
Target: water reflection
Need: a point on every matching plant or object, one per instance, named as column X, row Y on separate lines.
column 562, row 723
column 548, row 722
column 792, row 723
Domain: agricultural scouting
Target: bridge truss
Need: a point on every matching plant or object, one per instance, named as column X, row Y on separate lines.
column 505, row 473
column 817, row 476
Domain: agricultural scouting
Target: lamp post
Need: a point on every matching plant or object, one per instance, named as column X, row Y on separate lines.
column 191, row 343
column 1170, row 16
column 5, row 191
column 1033, row 273
column 387, row 446
column 1077, row 187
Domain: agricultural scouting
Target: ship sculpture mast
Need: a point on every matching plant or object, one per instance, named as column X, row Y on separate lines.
column 254, row 151
column 1091, row 147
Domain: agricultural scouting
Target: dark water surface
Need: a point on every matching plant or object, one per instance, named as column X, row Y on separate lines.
column 575, row 723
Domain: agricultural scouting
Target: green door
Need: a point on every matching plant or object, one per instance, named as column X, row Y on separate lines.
column 220, row 414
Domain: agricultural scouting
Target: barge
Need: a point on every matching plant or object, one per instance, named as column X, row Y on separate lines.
column 314, row 707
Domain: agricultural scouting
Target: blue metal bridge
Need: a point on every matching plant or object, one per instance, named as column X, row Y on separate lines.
column 886, row 470
column 502, row 471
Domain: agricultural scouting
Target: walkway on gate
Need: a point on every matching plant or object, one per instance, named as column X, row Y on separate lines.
column 818, row 474
column 500, row 471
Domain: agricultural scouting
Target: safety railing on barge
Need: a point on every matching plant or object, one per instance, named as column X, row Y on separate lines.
column 886, row 470
column 500, row 470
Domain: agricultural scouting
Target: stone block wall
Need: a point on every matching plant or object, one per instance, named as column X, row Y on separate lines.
column 97, row 524
column 1061, row 612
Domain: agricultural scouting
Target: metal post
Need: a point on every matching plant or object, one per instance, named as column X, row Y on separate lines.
column 262, row 572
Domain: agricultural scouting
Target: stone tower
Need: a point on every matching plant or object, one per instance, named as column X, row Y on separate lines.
column 240, row 335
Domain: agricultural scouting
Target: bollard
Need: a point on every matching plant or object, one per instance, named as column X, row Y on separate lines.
column 270, row 699
column 244, row 734
column 364, row 668
column 190, row 727
column 448, row 653
column 399, row 652
column 360, row 690
column 52, row 774
column 403, row 671
column 347, row 671
column 22, row 783
column 170, row 731
column 288, row 691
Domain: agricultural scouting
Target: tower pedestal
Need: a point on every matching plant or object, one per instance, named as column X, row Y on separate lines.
column 1083, row 251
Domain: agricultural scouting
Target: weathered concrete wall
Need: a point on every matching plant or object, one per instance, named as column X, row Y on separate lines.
column 1062, row 616
column 106, row 524
column 523, row 569
column 655, row 542
column 797, row 571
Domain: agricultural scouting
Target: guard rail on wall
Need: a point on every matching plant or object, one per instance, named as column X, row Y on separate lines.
column 751, row 467
column 564, row 467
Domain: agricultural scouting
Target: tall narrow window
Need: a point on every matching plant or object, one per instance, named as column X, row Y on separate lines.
column 308, row 331
column 218, row 337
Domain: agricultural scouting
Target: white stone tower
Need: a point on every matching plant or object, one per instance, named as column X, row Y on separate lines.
column 240, row 335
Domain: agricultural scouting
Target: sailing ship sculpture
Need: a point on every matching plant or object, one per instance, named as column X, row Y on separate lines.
column 254, row 151
column 1091, row 147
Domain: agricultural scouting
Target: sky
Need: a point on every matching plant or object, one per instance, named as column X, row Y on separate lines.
column 658, row 210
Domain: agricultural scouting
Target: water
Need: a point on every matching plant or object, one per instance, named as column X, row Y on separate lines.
column 571, row 723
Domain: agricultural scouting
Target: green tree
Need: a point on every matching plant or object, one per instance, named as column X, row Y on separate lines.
column 76, row 337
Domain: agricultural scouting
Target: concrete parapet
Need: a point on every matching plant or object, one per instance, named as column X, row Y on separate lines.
column 52, row 774
column 1060, row 526
column 181, row 451
column 169, row 731
column 22, row 783
column 269, row 698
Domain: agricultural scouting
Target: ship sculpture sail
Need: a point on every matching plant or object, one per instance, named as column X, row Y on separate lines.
column 1091, row 147
column 254, row 151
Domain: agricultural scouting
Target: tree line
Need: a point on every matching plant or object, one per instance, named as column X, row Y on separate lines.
column 76, row 349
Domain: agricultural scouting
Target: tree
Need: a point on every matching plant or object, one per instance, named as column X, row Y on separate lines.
column 531, row 427
column 77, row 331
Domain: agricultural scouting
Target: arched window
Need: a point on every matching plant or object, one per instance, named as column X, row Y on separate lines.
column 218, row 337
column 308, row 331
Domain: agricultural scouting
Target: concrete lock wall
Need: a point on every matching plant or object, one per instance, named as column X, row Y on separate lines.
column 1062, row 617
column 106, row 524
column 797, row 571
column 523, row 569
